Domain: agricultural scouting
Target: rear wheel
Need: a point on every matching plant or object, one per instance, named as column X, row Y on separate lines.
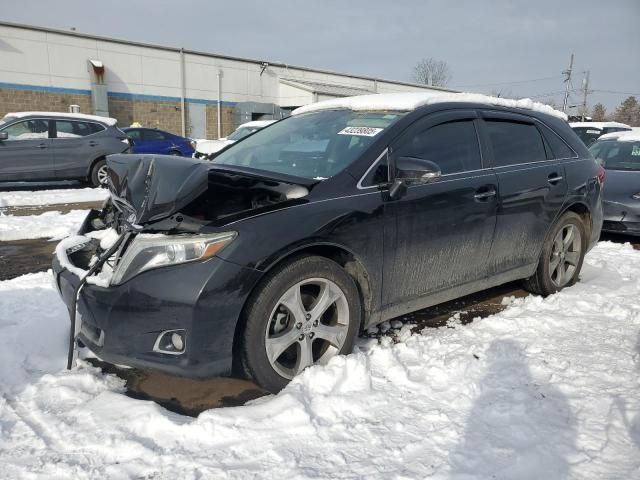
column 304, row 313
column 562, row 256
column 99, row 174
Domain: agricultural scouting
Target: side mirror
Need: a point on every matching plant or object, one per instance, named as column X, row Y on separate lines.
column 412, row 171
column 4, row 136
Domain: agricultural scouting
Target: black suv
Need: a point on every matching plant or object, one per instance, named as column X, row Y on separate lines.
column 58, row 146
column 273, row 256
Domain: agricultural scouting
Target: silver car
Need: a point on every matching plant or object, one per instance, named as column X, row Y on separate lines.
column 58, row 146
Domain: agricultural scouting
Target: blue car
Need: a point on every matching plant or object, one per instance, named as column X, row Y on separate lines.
column 152, row 140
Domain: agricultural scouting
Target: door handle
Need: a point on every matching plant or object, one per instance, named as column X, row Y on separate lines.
column 485, row 193
column 42, row 145
column 92, row 144
column 554, row 178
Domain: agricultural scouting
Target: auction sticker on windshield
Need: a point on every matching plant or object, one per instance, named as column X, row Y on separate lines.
column 360, row 131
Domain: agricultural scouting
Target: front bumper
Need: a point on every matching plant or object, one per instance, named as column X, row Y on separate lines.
column 120, row 324
column 622, row 217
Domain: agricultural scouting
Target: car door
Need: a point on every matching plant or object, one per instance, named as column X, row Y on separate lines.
column 26, row 153
column 75, row 146
column 442, row 230
column 531, row 189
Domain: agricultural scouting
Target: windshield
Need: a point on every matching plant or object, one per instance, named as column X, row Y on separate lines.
column 242, row 132
column 313, row 145
column 614, row 155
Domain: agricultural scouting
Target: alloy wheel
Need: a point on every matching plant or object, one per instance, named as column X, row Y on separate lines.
column 102, row 175
column 565, row 255
column 308, row 325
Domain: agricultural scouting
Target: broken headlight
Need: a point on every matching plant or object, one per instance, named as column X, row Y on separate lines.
column 148, row 251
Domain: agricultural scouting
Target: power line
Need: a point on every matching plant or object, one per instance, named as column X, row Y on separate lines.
column 509, row 83
column 616, row 92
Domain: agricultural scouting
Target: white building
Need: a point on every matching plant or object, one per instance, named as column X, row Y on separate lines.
column 194, row 93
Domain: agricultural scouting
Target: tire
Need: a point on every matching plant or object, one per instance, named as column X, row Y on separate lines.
column 98, row 174
column 268, row 326
column 560, row 256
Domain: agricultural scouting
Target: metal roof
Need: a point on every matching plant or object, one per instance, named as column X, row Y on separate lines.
column 322, row 88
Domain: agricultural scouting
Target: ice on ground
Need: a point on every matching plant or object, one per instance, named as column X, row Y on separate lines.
column 51, row 197
column 408, row 101
column 53, row 225
column 546, row 389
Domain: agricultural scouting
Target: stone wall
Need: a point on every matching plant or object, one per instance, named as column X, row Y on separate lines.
column 33, row 100
column 227, row 121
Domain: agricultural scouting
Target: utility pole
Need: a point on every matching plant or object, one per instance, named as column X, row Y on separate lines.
column 568, row 83
column 585, row 92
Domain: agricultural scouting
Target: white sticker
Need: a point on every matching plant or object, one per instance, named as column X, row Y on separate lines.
column 360, row 131
column 635, row 151
column 593, row 131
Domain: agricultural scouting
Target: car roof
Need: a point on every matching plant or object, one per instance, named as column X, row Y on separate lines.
column 626, row 136
column 66, row 115
column 257, row 123
column 409, row 101
column 599, row 125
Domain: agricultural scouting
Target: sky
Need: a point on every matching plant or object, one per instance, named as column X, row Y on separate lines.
column 513, row 47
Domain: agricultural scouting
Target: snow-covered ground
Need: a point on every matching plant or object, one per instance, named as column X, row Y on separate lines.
column 547, row 389
column 53, row 196
column 53, row 225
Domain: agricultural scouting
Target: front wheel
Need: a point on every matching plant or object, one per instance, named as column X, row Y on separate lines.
column 562, row 256
column 99, row 174
column 304, row 313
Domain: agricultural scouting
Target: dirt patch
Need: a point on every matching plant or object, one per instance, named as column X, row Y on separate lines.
column 20, row 257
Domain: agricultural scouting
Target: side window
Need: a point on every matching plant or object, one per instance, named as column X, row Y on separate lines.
column 514, row 142
column 73, row 129
column 452, row 145
column 152, row 135
column 379, row 174
column 96, row 127
column 134, row 134
column 28, row 130
column 558, row 147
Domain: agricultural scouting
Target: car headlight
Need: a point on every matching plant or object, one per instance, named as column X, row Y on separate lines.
column 148, row 251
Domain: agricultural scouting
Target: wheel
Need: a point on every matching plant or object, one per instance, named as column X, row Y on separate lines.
column 99, row 174
column 561, row 258
column 303, row 313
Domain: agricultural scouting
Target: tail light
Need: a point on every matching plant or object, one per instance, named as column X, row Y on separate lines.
column 601, row 174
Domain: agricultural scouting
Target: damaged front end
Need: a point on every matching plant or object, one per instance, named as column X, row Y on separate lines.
column 165, row 211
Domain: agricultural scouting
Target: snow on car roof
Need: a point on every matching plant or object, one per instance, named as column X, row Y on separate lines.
column 627, row 136
column 407, row 101
column 258, row 123
column 77, row 116
column 599, row 125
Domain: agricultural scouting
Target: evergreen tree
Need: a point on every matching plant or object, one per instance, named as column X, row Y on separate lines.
column 628, row 112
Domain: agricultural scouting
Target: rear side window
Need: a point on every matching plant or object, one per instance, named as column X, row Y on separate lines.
column 73, row 129
column 558, row 147
column 152, row 135
column 515, row 142
column 28, row 130
column 453, row 146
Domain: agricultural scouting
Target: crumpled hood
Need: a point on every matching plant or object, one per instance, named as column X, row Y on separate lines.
column 147, row 188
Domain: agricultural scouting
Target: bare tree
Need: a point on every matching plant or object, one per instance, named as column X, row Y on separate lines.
column 502, row 93
column 432, row 72
column 598, row 113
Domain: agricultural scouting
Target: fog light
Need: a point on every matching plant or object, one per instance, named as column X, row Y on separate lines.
column 171, row 342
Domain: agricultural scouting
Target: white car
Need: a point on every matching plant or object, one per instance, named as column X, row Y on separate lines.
column 590, row 131
column 204, row 148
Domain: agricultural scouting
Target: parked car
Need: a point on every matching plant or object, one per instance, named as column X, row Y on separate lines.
column 276, row 262
column 589, row 132
column 619, row 153
column 152, row 140
column 58, row 146
column 204, row 148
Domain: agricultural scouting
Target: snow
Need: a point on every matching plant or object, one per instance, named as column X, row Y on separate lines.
column 55, row 196
column 599, row 125
column 77, row 116
column 628, row 136
column 548, row 388
column 412, row 100
column 257, row 123
column 53, row 225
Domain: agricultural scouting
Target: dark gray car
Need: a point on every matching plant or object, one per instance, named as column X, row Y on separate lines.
column 58, row 146
column 619, row 153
